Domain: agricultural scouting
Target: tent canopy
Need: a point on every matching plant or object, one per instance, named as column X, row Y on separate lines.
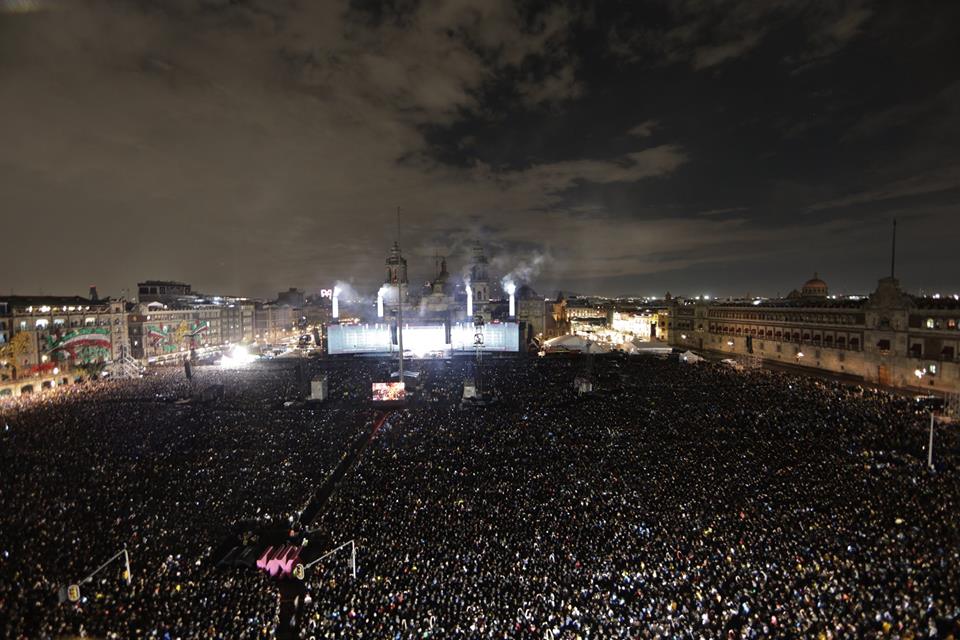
column 578, row 344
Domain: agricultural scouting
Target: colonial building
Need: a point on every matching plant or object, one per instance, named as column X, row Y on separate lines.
column 888, row 338
column 173, row 331
column 584, row 309
column 273, row 322
column 62, row 331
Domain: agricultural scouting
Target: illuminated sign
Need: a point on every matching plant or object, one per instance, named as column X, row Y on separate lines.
column 326, row 293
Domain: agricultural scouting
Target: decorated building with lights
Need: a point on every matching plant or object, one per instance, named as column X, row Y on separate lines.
column 59, row 332
column 889, row 337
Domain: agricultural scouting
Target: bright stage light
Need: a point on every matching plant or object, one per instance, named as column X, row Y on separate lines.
column 511, row 289
column 469, row 301
column 238, row 357
column 336, row 302
column 380, row 303
column 422, row 340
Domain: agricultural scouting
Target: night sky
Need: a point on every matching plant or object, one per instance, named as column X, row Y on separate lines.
column 630, row 147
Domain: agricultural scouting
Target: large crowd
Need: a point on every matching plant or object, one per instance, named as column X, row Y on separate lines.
column 124, row 464
column 676, row 501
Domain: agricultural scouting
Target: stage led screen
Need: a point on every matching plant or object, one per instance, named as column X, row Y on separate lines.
column 389, row 391
column 421, row 340
column 499, row 336
column 358, row 338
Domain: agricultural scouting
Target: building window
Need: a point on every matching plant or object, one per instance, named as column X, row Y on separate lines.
column 916, row 350
column 855, row 343
column 947, row 353
column 930, row 323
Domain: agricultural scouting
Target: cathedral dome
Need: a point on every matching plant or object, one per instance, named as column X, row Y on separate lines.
column 814, row 288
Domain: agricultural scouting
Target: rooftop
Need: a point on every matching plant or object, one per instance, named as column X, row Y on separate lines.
column 51, row 301
column 944, row 302
column 168, row 283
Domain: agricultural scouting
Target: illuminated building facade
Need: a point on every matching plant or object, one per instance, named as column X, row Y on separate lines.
column 63, row 331
column 168, row 332
column 888, row 338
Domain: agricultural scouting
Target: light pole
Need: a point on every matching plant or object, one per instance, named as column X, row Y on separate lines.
column 919, row 373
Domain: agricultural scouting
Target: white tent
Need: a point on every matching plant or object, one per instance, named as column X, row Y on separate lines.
column 577, row 344
column 690, row 357
column 730, row 362
column 628, row 347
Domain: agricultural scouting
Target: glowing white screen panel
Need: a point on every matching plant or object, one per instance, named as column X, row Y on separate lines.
column 421, row 340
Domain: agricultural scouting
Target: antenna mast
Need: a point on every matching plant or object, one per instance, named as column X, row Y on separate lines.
column 893, row 250
column 399, row 298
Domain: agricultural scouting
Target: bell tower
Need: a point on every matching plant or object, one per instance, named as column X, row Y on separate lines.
column 479, row 280
column 396, row 273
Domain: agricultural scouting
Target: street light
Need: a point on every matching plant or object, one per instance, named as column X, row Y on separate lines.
column 919, row 373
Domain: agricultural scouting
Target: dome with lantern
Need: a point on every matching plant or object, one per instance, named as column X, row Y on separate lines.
column 814, row 288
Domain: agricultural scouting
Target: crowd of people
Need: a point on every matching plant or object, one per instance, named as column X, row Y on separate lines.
column 128, row 464
column 676, row 501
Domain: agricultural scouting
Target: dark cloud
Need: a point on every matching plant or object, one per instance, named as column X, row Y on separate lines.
column 248, row 146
